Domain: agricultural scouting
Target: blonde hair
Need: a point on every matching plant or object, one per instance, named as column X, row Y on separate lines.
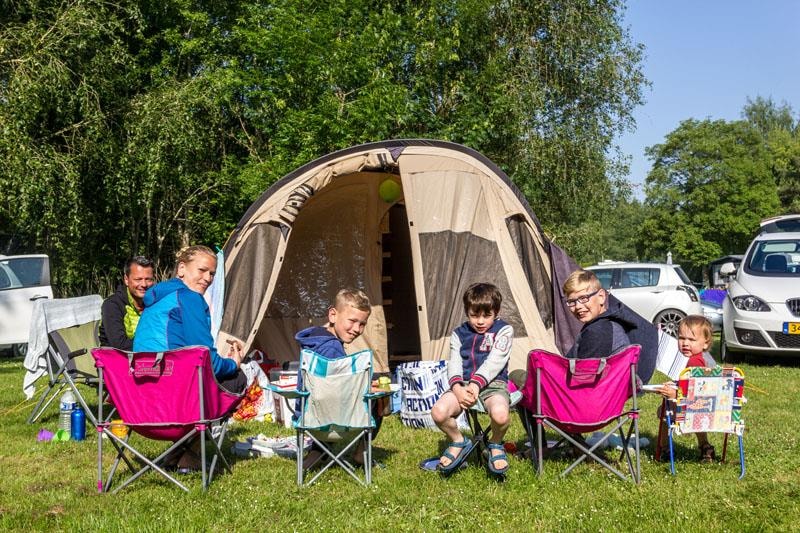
column 579, row 279
column 353, row 297
column 188, row 253
column 698, row 323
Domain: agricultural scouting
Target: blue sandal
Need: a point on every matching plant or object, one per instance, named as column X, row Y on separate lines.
column 498, row 457
column 465, row 446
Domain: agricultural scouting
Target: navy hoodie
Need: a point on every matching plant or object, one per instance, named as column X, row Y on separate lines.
column 617, row 327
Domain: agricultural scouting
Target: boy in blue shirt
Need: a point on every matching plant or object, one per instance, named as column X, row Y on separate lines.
column 477, row 369
column 347, row 318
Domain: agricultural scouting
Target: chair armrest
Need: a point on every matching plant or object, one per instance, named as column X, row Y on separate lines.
column 76, row 353
column 378, row 395
column 288, row 393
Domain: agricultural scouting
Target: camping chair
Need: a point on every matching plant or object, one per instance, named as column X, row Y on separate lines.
column 481, row 435
column 709, row 400
column 335, row 410
column 169, row 396
column 574, row 396
column 66, row 330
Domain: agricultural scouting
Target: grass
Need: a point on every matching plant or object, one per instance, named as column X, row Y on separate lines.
column 48, row 486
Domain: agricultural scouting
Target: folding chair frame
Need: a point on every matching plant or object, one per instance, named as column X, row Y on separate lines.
column 669, row 410
column 61, row 378
column 481, row 435
column 202, row 427
column 358, row 434
column 566, row 438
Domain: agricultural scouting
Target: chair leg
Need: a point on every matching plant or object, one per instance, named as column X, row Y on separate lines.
column 39, row 409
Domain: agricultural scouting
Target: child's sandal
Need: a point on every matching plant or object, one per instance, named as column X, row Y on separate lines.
column 499, row 457
column 464, row 448
column 707, row 453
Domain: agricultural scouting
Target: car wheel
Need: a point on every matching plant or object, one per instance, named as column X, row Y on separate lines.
column 668, row 320
column 19, row 350
column 726, row 355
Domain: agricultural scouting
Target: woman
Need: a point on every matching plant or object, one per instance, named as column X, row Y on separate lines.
column 176, row 315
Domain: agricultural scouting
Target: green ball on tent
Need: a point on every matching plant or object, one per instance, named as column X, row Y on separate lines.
column 390, row 191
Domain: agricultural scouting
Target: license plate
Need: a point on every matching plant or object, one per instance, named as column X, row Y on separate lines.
column 791, row 328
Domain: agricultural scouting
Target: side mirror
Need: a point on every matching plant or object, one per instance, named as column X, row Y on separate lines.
column 727, row 270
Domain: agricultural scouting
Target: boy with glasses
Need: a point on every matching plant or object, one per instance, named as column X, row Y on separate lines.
column 608, row 324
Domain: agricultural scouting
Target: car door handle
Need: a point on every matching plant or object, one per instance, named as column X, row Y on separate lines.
column 656, row 292
column 38, row 297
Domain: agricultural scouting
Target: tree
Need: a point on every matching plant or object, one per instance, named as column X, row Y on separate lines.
column 709, row 187
column 782, row 135
column 142, row 126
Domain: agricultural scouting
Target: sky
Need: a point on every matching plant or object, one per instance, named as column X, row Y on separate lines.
column 705, row 58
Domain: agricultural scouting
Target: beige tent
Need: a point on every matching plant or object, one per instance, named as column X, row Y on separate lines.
column 455, row 219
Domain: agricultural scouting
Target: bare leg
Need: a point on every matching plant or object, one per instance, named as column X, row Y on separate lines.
column 444, row 414
column 498, row 409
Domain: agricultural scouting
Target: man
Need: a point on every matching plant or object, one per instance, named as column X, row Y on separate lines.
column 121, row 310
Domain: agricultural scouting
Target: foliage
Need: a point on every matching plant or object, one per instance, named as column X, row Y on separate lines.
column 782, row 133
column 710, row 185
column 143, row 126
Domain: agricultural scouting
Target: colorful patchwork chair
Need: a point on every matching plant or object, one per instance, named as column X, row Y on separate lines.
column 709, row 400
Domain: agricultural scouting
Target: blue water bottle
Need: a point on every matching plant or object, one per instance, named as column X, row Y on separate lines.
column 78, row 424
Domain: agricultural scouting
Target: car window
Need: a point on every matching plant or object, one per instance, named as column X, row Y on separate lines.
column 604, row 276
column 681, row 274
column 775, row 257
column 639, row 277
column 28, row 271
column 5, row 281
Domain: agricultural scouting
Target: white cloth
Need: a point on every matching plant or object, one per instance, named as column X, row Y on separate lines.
column 670, row 360
column 215, row 296
column 50, row 315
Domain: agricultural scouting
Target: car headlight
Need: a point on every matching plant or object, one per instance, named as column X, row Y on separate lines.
column 750, row 303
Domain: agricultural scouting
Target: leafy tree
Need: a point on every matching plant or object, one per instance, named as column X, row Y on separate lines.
column 142, row 126
column 782, row 134
column 710, row 185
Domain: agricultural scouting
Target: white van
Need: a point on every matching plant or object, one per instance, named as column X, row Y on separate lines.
column 761, row 313
column 23, row 280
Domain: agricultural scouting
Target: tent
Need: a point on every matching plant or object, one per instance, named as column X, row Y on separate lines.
column 411, row 222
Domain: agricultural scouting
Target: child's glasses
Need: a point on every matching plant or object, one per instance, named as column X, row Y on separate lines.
column 583, row 299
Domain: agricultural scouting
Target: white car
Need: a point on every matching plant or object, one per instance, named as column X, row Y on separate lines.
column 761, row 314
column 23, row 280
column 662, row 293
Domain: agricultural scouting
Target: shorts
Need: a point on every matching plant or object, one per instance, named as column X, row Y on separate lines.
column 495, row 387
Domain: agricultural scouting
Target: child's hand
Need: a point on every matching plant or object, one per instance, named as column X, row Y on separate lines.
column 668, row 390
column 471, row 396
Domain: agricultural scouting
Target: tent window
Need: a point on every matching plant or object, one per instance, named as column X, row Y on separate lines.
column 451, row 263
column 247, row 280
column 533, row 265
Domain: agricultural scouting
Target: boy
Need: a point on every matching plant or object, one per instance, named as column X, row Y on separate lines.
column 608, row 325
column 347, row 318
column 477, row 369
column 694, row 340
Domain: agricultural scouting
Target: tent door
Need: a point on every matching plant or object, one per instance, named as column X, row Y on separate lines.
column 397, row 283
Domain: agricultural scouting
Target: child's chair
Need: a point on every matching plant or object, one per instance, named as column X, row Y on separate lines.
column 168, row 396
column 574, row 396
column 335, row 410
column 709, row 400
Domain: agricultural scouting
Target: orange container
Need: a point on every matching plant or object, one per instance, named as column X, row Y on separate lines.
column 119, row 428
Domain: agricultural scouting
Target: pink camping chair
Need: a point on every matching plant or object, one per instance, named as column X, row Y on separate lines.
column 574, row 396
column 170, row 396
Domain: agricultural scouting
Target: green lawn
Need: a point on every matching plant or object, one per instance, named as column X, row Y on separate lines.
column 47, row 486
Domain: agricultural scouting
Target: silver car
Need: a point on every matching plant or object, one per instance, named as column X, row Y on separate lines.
column 762, row 310
column 660, row 292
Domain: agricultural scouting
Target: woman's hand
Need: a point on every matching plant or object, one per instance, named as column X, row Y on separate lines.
column 236, row 353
